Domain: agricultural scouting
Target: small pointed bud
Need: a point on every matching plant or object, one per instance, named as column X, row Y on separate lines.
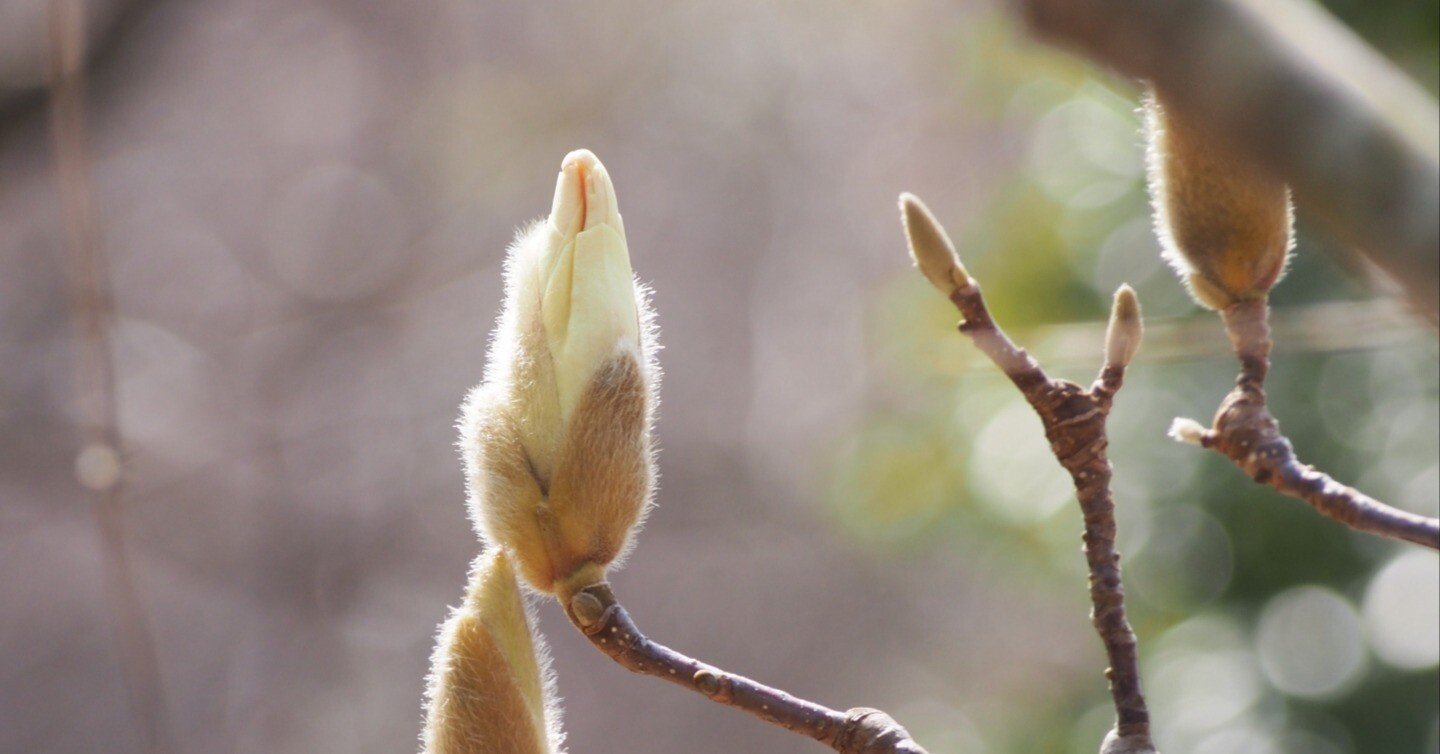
column 1223, row 225
column 557, row 440
column 588, row 303
column 1115, row 743
column 1122, row 336
column 1187, row 431
column 490, row 689
column 930, row 247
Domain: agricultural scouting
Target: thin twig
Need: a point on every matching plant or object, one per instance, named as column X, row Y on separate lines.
column 1075, row 419
column 595, row 611
column 1292, row 90
column 1245, row 432
column 98, row 464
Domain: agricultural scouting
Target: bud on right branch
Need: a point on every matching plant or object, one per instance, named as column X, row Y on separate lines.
column 1224, row 225
column 1226, row 228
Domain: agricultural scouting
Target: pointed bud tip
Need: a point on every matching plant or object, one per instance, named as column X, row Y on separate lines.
column 584, row 195
column 582, row 157
column 1125, row 298
column 930, row 247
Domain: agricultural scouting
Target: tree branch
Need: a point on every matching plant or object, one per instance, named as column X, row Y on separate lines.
column 595, row 611
column 1075, row 424
column 1297, row 93
column 1245, row 432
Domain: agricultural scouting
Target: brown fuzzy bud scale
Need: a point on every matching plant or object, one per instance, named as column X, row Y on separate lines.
column 490, row 690
column 1223, row 224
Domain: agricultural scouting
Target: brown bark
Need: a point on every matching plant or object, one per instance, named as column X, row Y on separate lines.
column 1247, row 434
column 1075, row 424
column 595, row 611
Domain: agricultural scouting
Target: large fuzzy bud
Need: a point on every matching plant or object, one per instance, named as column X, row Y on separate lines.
column 490, row 690
column 1223, row 225
column 557, row 439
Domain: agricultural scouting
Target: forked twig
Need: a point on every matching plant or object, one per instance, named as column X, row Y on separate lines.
column 1246, row 433
column 595, row 611
column 1075, row 424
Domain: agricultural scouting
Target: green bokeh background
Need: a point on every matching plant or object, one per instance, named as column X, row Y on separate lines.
column 1224, row 577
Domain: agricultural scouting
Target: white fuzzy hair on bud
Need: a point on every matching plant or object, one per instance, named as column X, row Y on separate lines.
column 491, row 690
column 557, row 439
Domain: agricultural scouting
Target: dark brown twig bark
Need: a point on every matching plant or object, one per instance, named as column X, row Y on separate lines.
column 1291, row 90
column 1074, row 418
column 595, row 611
column 98, row 464
column 1245, row 432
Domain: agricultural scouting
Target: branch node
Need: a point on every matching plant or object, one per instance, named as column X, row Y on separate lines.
column 870, row 731
column 588, row 610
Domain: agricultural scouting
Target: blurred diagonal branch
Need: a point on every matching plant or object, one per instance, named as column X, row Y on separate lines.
column 98, row 464
column 1315, row 328
column 1291, row 89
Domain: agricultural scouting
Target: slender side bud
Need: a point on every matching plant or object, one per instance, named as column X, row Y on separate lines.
column 557, row 440
column 930, row 247
column 1223, row 225
column 1122, row 336
column 490, row 689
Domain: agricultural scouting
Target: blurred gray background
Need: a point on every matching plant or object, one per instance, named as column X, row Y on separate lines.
column 304, row 206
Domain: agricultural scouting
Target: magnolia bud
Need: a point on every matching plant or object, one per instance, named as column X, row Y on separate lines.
column 930, row 248
column 1223, row 225
column 1122, row 336
column 557, row 438
column 490, row 689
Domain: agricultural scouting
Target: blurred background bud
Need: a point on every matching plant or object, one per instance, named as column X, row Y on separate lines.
column 1223, row 225
column 1125, row 330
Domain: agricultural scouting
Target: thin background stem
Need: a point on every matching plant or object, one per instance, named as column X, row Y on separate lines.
column 95, row 380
